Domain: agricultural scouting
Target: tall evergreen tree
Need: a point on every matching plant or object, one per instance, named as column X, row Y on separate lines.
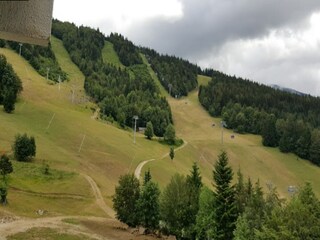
column 194, row 184
column 171, row 153
column 241, row 194
column 149, row 130
column 147, row 177
column 225, row 205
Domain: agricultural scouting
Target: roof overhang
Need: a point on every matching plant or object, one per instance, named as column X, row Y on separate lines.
column 26, row 21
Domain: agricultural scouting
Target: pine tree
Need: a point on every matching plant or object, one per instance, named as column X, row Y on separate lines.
column 147, row 177
column 194, row 185
column 226, row 211
column 171, row 154
column 241, row 193
column 149, row 130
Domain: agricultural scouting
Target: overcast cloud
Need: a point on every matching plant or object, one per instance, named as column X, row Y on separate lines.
column 269, row 41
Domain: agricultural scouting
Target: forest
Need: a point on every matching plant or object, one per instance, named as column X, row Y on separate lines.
column 177, row 76
column 285, row 120
column 10, row 85
column 120, row 93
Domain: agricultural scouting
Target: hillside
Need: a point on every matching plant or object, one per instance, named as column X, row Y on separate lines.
column 106, row 153
column 285, row 120
column 246, row 152
column 87, row 155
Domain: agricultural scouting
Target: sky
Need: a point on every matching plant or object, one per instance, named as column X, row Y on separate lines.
column 267, row 41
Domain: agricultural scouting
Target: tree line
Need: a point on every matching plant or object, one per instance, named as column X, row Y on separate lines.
column 41, row 59
column 177, row 76
column 10, row 85
column 285, row 120
column 242, row 211
column 120, row 93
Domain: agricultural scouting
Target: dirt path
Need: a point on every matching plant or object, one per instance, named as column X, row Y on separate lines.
column 137, row 172
column 99, row 199
column 96, row 114
column 24, row 224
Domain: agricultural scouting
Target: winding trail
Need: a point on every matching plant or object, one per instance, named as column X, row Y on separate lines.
column 99, row 199
column 96, row 114
column 23, row 224
column 137, row 172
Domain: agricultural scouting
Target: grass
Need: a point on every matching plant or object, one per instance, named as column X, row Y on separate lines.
column 203, row 80
column 194, row 125
column 110, row 56
column 46, row 234
column 71, row 221
column 107, row 151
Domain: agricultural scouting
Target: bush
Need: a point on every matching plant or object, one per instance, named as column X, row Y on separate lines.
column 24, row 147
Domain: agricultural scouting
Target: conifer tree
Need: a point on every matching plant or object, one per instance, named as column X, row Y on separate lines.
column 171, row 154
column 225, row 206
column 194, row 184
column 147, row 177
column 149, row 130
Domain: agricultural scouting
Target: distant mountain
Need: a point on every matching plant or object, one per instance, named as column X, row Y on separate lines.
column 289, row 90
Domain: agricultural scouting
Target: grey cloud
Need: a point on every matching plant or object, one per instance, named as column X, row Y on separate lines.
column 207, row 24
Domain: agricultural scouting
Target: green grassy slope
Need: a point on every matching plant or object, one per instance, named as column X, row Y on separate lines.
column 110, row 56
column 246, row 152
column 107, row 152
